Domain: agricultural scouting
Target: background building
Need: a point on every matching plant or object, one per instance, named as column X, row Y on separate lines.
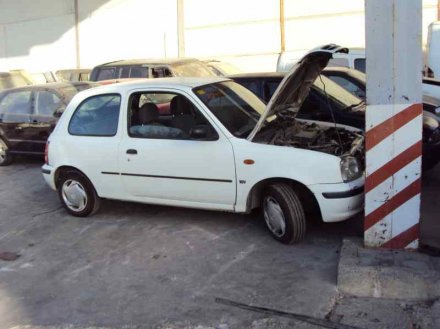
column 56, row 34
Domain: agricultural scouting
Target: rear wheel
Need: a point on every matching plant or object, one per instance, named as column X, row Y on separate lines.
column 77, row 195
column 5, row 156
column 284, row 213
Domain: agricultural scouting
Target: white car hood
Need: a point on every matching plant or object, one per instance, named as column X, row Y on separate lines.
column 296, row 85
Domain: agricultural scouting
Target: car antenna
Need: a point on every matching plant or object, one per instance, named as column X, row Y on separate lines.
column 331, row 112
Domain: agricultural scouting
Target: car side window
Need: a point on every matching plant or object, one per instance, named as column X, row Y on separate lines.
column 348, row 85
column 96, row 116
column 47, row 103
column 106, row 73
column 161, row 72
column 16, row 106
column 360, row 64
column 158, row 115
column 139, row 72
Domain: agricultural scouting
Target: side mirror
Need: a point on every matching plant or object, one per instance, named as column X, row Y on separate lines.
column 58, row 112
column 199, row 132
column 202, row 132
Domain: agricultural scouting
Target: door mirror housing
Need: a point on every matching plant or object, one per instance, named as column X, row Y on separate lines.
column 202, row 132
column 58, row 112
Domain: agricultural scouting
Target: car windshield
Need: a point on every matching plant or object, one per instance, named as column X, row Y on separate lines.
column 335, row 92
column 237, row 108
column 192, row 69
column 224, row 68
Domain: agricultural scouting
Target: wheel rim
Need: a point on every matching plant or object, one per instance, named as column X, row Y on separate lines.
column 3, row 150
column 274, row 216
column 74, row 195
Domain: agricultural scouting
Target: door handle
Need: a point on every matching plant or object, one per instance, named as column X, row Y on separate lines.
column 132, row 151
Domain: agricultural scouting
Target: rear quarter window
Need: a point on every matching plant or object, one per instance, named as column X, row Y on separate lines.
column 96, row 116
column 106, row 73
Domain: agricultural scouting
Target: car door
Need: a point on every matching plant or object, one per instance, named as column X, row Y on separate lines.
column 15, row 117
column 43, row 120
column 185, row 168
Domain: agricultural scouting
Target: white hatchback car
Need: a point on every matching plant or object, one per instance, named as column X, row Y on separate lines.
column 211, row 144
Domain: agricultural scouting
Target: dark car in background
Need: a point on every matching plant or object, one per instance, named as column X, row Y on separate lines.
column 151, row 68
column 335, row 103
column 355, row 82
column 29, row 114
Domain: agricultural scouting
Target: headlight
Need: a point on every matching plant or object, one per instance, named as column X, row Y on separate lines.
column 350, row 169
column 437, row 111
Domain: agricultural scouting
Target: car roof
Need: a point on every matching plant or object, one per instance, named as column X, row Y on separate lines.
column 257, row 75
column 73, row 70
column 157, row 61
column 173, row 82
column 53, row 85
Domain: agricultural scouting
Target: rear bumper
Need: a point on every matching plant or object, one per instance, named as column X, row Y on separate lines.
column 48, row 175
column 339, row 202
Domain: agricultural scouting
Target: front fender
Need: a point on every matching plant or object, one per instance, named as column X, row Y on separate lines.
column 270, row 161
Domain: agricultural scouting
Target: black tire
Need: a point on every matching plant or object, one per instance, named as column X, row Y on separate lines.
column 5, row 157
column 81, row 189
column 282, row 197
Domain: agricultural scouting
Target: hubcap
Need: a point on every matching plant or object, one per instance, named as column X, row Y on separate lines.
column 3, row 149
column 74, row 195
column 274, row 216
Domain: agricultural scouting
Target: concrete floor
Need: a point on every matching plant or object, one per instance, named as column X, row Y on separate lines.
column 134, row 264
column 145, row 266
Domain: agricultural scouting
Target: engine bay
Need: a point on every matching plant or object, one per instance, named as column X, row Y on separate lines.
column 312, row 136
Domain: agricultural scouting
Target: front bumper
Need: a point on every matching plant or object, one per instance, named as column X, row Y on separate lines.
column 49, row 175
column 339, row 202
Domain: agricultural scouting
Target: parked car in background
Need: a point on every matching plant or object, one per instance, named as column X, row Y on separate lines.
column 355, row 82
column 215, row 151
column 15, row 78
column 355, row 58
column 29, row 114
column 222, row 69
column 73, row 75
column 151, row 68
column 261, row 84
column 342, row 106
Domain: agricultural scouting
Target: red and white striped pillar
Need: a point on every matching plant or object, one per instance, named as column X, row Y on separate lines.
column 393, row 123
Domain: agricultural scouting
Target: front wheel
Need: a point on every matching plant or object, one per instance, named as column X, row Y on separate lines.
column 77, row 195
column 5, row 156
column 284, row 213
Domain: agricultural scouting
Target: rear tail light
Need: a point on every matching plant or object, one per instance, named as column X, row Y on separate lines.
column 46, row 153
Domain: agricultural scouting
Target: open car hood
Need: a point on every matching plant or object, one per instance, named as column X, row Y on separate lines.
column 296, row 85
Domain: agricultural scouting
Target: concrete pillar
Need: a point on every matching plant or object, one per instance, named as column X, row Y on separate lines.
column 181, row 28
column 393, row 122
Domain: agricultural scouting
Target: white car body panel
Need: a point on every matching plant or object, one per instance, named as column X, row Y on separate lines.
column 171, row 160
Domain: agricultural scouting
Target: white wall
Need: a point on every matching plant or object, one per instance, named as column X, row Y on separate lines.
column 33, row 31
column 40, row 35
column 233, row 30
column 125, row 29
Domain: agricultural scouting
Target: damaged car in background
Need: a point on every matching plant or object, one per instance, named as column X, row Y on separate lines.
column 219, row 147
